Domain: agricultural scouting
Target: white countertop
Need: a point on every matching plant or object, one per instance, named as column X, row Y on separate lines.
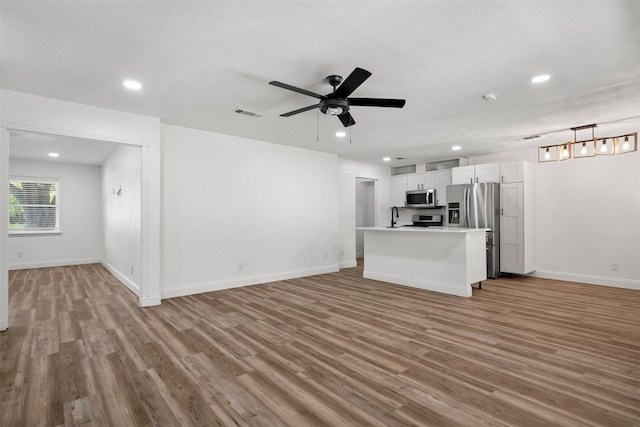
column 425, row 229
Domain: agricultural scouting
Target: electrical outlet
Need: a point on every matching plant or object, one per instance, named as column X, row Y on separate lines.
column 341, row 252
column 132, row 269
column 615, row 266
column 325, row 255
column 20, row 254
column 241, row 266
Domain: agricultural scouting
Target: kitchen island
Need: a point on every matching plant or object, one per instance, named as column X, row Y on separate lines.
column 439, row 259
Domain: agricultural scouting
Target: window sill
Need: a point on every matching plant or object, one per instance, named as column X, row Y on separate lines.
column 35, row 233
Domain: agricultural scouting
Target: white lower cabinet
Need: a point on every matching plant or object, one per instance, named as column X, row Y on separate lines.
column 517, row 234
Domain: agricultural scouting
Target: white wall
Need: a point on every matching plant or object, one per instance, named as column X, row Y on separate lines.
column 588, row 216
column 80, row 218
column 350, row 170
column 238, row 211
column 121, row 186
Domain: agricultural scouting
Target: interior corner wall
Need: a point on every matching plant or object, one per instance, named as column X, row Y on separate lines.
column 239, row 212
column 80, row 218
column 121, row 197
column 349, row 171
column 587, row 217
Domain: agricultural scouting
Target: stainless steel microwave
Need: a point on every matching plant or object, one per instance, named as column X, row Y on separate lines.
column 421, row 199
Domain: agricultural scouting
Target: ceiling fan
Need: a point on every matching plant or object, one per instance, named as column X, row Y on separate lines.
column 338, row 102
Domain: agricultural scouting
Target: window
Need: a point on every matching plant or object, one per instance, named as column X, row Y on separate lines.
column 33, row 205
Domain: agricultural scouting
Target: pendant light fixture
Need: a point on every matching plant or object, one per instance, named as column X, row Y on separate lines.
column 606, row 149
column 625, row 145
column 583, row 150
column 587, row 146
column 566, row 151
column 605, row 146
column 548, row 154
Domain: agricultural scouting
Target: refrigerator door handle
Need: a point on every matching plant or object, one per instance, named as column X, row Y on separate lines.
column 467, row 192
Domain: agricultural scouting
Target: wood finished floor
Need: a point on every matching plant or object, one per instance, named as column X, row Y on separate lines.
column 328, row 350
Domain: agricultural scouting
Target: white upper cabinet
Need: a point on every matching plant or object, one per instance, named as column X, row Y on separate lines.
column 443, row 178
column 414, row 181
column 489, row 172
column 421, row 181
column 463, row 175
column 512, row 171
column 397, row 190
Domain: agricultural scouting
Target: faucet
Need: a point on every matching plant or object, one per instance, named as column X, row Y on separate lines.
column 393, row 223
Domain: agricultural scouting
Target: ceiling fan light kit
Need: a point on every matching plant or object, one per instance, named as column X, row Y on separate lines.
column 596, row 146
column 338, row 103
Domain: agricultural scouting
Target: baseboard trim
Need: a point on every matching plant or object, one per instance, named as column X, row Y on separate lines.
column 133, row 287
column 219, row 285
column 446, row 288
column 348, row 264
column 587, row 278
column 150, row 301
column 53, row 263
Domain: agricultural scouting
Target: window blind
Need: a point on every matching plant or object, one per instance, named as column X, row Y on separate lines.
column 33, row 205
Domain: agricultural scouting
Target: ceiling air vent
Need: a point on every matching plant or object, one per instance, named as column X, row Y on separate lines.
column 249, row 113
column 526, row 138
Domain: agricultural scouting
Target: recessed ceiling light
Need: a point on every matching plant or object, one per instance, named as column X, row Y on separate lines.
column 541, row 78
column 456, row 147
column 132, row 84
column 54, row 155
column 341, row 134
column 387, row 159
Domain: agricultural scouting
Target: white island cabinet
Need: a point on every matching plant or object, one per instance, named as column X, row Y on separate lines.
column 439, row 259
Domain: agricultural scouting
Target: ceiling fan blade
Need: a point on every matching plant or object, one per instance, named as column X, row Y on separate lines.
column 351, row 83
column 377, row 102
column 297, row 89
column 347, row 119
column 300, row 110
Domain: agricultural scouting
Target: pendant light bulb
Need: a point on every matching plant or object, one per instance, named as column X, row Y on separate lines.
column 583, row 150
column 547, row 155
column 603, row 147
column 625, row 145
column 565, row 151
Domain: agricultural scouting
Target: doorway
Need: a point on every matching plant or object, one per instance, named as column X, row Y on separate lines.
column 97, row 198
column 365, row 210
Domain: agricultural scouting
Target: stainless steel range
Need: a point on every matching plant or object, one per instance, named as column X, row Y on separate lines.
column 426, row 220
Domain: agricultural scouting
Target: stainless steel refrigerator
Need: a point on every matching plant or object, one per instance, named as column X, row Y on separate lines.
column 478, row 206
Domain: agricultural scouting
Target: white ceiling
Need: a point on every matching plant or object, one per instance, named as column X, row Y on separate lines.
column 37, row 146
column 199, row 60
